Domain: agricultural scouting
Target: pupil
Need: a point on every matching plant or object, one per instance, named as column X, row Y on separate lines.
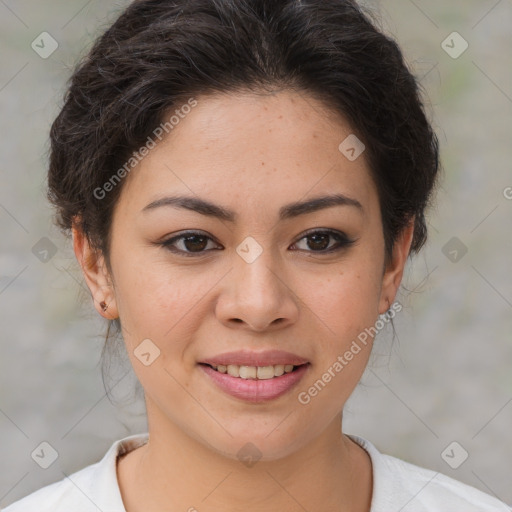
column 323, row 245
column 187, row 242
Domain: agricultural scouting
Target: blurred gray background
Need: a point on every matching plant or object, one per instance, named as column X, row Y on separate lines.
column 447, row 375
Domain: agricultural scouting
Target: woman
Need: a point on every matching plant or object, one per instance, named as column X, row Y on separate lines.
column 244, row 182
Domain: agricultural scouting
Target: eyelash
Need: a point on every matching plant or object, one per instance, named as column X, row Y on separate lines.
column 343, row 242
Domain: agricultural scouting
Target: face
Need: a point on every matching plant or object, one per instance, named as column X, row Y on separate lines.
column 191, row 285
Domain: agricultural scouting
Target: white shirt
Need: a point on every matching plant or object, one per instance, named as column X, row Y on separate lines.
column 397, row 487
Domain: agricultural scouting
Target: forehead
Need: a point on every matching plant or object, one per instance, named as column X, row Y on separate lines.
column 260, row 148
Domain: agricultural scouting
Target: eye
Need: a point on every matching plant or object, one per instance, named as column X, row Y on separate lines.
column 194, row 243
column 319, row 241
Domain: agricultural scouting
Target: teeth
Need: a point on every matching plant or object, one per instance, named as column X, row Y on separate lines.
column 266, row 372
column 279, row 370
column 254, row 372
column 248, row 372
column 233, row 370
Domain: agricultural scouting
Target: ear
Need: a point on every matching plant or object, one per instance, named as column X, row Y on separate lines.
column 394, row 270
column 95, row 273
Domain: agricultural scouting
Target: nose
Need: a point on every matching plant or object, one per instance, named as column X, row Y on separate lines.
column 258, row 295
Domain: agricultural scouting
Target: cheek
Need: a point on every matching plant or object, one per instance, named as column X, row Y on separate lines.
column 343, row 307
column 346, row 300
column 158, row 304
column 153, row 297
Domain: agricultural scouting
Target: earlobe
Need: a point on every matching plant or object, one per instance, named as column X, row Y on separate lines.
column 95, row 274
column 395, row 269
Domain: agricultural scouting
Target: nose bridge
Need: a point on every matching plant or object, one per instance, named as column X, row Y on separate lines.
column 257, row 294
column 256, row 266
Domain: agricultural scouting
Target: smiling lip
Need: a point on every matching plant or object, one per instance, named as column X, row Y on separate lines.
column 255, row 390
column 251, row 358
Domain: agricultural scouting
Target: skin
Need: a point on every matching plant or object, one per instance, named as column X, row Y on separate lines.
column 252, row 154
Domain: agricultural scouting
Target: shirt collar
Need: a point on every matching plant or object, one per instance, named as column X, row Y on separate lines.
column 105, row 492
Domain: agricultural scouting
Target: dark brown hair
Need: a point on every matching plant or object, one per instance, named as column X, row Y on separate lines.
column 160, row 53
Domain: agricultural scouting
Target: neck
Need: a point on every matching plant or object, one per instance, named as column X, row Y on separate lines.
column 175, row 471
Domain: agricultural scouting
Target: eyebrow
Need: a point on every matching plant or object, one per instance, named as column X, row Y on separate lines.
column 286, row 212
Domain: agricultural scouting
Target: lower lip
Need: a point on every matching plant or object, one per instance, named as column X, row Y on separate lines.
column 255, row 390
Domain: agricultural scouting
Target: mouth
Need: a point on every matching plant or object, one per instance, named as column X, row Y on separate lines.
column 254, row 384
column 254, row 372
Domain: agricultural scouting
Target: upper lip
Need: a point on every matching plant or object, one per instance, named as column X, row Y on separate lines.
column 253, row 358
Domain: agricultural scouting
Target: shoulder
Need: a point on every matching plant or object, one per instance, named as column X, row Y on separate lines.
column 60, row 495
column 399, row 485
column 90, row 489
